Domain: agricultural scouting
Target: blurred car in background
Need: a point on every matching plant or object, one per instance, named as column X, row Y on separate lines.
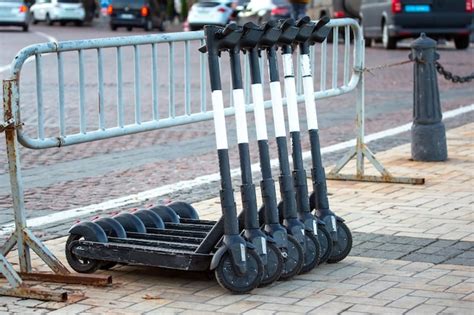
column 15, row 13
column 210, row 12
column 336, row 9
column 259, row 11
column 393, row 20
column 62, row 11
column 146, row 14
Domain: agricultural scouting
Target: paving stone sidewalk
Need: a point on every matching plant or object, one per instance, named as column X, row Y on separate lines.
column 413, row 254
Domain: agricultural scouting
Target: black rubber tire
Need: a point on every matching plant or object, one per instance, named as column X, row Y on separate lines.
column 325, row 242
column 293, row 262
column 35, row 21
column 80, row 265
column 311, row 253
column 148, row 26
column 25, row 28
column 113, row 27
column 343, row 246
column 388, row 41
column 79, row 23
column 461, row 42
column 184, row 210
column 129, row 28
column 48, row 20
column 274, row 267
column 228, row 278
column 62, row 23
column 368, row 42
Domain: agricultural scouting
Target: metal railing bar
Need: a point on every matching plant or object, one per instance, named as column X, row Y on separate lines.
column 187, row 79
column 62, row 119
column 100, row 73
column 82, row 94
column 138, row 104
column 154, row 83
column 39, row 96
column 203, row 69
column 347, row 43
column 335, row 55
column 322, row 84
column 120, row 111
column 171, row 107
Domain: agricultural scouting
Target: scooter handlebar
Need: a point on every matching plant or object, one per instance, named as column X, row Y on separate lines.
column 321, row 31
column 288, row 32
column 251, row 35
column 306, row 28
column 271, row 34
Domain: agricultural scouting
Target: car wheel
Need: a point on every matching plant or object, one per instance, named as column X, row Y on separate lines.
column 129, row 28
column 62, row 23
column 461, row 42
column 388, row 41
column 113, row 27
column 48, row 20
column 79, row 23
column 148, row 26
column 368, row 42
column 35, row 21
column 25, row 28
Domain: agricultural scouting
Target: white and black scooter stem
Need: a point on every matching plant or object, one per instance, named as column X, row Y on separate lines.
column 340, row 233
column 216, row 38
column 249, row 201
column 271, row 217
column 299, row 173
column 290, row 216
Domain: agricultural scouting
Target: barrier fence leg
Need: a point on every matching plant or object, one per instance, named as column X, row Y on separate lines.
column 360, row 151
column 22, row 237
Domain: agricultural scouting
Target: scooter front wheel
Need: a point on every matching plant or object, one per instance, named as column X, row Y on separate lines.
column 293, row 259
column 274, row 266
column 228, row 277
column 312, row 252
column 325, row 241
column 343, row 246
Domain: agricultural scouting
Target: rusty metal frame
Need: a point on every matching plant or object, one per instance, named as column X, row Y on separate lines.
column 23, row 237
column 361, row 150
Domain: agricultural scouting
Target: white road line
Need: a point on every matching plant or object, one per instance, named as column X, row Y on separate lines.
column 168, row 189
column 30, row 59
column 48, row 37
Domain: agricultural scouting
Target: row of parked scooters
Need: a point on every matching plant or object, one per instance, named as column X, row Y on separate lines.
column 260, row 245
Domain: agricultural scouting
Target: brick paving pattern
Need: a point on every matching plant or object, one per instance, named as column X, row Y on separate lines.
column 413, row 254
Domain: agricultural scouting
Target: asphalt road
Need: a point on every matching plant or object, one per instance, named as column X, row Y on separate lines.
column 64, row 178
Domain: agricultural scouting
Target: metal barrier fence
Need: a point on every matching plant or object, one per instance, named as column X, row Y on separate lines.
column 103, row 107
column 90, row 126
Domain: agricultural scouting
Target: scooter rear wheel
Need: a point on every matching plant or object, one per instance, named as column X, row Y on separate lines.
column 184, row 210
column 229, row 278
column 325, row 241
column 343, row 246
column 312, row 252
column 274, row 267
column 293, row 259
column 81, row 265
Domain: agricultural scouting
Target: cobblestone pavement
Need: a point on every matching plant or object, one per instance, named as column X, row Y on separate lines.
column 413, row 254
column 69, row 177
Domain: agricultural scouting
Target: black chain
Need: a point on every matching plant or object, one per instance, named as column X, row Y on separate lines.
column 451, row 77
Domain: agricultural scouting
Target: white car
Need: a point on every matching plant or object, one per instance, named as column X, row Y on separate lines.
column 61, row 11
column 210, row 12
column 14, row 13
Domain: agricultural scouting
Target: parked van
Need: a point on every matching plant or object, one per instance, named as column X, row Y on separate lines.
column 146, row 14
column 392, row 20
